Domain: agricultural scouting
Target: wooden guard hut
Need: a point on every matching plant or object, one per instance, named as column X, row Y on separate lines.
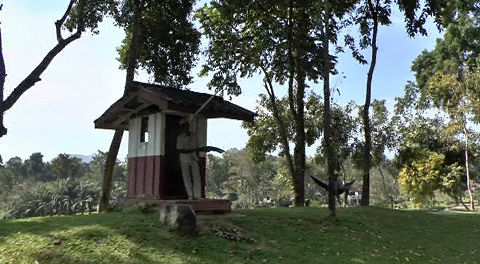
column 152, row 113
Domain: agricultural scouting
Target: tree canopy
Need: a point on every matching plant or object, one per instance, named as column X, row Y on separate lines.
column 169, row 40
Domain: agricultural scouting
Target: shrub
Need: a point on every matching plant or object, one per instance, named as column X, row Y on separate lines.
column 64, row 196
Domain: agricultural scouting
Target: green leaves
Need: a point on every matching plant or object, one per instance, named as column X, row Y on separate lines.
column 264, row 134
column 65, row 196
column 247, row 37
column 169, row 40
column 447, row 80
column 424, row 176
column 87, row 14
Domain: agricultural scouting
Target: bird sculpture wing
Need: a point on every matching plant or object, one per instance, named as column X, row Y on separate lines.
column 319, row 182
column 210, row 148
column 339, row 190
column 348, row 185
column 345, row 187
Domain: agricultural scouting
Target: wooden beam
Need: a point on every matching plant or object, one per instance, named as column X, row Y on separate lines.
column 151, row 97
column 125, row 117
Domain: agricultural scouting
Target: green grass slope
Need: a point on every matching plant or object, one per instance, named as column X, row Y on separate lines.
column 277, row 235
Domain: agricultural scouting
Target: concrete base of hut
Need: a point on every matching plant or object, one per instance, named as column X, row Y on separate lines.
column 201, row 205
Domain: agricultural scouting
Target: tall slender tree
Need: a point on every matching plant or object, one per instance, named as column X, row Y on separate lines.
column 282, row 41
column 330, row 18
column 369, row 15
column 270, row 38
column 374, row 13
column 448, row 78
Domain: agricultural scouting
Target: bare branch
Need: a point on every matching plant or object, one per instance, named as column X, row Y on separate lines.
column 59, row 23
column 3, row 71
column 34, row 76
column 268, row 81
column 3, row 75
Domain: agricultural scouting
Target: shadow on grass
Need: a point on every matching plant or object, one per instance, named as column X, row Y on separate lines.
column 283, row 235
column 116, row 237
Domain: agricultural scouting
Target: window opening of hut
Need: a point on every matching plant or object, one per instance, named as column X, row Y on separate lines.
column 144, row 130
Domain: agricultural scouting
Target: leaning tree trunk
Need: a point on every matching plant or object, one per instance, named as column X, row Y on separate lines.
column 366, row 115
column 282, row 127
column 294, row 164
column 327, row 130
column 133, row 51
column 467, row 171
column 107, row 182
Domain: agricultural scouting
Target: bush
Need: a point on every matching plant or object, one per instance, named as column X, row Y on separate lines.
column 64, row 196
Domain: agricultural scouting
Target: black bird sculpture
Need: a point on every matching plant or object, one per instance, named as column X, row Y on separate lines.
column 339, row 186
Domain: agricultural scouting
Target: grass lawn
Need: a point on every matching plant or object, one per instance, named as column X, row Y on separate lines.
column 274, row 235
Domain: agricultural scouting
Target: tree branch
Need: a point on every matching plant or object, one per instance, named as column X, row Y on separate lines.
column 59, row 23
column 291, row 59
column 280, row 123
column 3, row 71
column 135, row 43
column 3, row 75
column 34, row 76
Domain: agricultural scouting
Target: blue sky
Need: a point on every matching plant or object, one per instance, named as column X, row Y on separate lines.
column 56, row 115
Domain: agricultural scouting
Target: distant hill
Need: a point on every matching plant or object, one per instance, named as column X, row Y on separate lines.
column 84, row 158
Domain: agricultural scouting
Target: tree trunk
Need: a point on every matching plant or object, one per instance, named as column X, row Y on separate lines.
column 108, row 171
column 299, row 108
column 345, row 194
column 133, row 51
column 327, row 141
column 366, row 115
column 464, row 205
column 392, row 197
column 268, row 83
column 299, row 150
column 296, row 165
column 385, row 192
column 470, row 193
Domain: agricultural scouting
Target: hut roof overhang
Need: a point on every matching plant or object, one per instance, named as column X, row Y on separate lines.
column 142, row 98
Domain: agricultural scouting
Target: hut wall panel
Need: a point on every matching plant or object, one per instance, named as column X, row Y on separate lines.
column 150, row 146
column 132, row 178
column 133, row 137
column 156, row 177
column 163, row 178
column 140, row 183
column 156, row 141
column 149, row 174
column 155, row 136
column 203, row 174
column 147, row 177
column 161, row 130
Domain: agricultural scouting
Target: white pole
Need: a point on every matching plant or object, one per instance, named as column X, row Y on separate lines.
column 203, row 106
